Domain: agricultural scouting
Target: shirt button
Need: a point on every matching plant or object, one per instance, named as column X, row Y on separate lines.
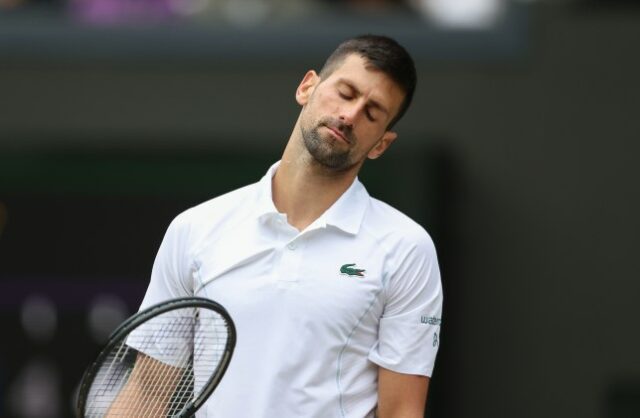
column 291, row 246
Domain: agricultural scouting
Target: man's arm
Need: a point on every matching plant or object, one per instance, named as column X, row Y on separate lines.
column 401, row 395
column 136, row 400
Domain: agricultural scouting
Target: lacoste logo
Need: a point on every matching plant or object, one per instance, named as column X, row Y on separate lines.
column 349, row 270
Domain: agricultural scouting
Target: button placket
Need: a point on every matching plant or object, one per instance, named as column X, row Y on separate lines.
column 291, row 260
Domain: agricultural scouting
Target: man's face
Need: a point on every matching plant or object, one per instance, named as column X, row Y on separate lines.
column 345, row 116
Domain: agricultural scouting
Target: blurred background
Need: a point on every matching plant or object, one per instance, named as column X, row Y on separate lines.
column 518, row 155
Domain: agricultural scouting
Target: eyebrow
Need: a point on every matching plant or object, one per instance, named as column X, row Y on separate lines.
column 372, row 103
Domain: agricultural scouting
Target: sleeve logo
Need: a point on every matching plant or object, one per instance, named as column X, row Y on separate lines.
column 430, row 320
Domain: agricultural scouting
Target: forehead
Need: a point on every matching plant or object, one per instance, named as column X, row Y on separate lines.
column 369, row 81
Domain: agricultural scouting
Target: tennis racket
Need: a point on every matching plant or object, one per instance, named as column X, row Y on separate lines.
column 164, row 361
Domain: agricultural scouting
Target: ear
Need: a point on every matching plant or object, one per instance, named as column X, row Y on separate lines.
column 306, row 87
column 382, row 145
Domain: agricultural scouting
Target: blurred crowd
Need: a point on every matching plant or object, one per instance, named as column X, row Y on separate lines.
column 465, row 13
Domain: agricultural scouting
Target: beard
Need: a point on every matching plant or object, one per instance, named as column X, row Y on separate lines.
column 324, row 150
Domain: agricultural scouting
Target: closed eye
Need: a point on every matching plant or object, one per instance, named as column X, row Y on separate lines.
column 369, row 115
column 349, row 96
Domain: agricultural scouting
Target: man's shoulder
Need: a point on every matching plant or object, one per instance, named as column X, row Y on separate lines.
column 219, row 210
column 226, row 202
column 388, row 223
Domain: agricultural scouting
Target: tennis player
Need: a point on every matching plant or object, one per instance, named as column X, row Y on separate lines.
column 336, row 296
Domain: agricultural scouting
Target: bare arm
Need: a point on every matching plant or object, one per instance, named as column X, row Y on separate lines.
column 401, row 395
column 136, row 399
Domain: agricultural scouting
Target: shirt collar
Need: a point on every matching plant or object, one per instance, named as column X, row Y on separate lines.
column 264, row 205
column 346, row 213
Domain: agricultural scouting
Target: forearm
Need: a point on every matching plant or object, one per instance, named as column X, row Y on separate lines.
column 143, row 395
column 401, row 395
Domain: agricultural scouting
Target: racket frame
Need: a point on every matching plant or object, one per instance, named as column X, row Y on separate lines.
column 131, row 323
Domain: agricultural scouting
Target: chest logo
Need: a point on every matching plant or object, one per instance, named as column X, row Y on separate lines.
column 350, row 270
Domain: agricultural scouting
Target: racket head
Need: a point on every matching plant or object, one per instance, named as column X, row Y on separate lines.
column 199, row 337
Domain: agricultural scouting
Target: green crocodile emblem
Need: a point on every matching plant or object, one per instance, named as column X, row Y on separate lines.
column 349, row 270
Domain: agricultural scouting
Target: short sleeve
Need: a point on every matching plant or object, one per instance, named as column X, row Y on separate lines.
column 171, row 276
column 409, row 330
column 165, row 338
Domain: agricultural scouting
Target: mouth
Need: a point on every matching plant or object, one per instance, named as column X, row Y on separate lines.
column 338, row 134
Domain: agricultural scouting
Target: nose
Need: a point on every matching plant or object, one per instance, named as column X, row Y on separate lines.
column 348, row 114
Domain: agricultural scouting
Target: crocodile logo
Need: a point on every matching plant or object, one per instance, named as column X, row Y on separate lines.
column 349, row 270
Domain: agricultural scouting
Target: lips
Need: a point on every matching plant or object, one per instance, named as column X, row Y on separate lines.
column 339, row 134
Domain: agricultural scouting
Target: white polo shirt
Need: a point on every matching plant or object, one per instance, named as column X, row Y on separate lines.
column 316, row 311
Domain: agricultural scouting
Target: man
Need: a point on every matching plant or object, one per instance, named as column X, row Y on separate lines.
column 336, row 296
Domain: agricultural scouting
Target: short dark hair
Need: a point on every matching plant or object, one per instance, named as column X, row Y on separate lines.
column 384, row 54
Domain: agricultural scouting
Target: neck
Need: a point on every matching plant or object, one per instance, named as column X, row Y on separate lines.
column 304, row 189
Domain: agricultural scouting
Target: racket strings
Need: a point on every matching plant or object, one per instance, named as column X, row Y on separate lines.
column 183, row 392
column 160, row 367
column 159, row 391
column 154, row 400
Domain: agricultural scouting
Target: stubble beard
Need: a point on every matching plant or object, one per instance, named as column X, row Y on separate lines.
column 323, row 151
